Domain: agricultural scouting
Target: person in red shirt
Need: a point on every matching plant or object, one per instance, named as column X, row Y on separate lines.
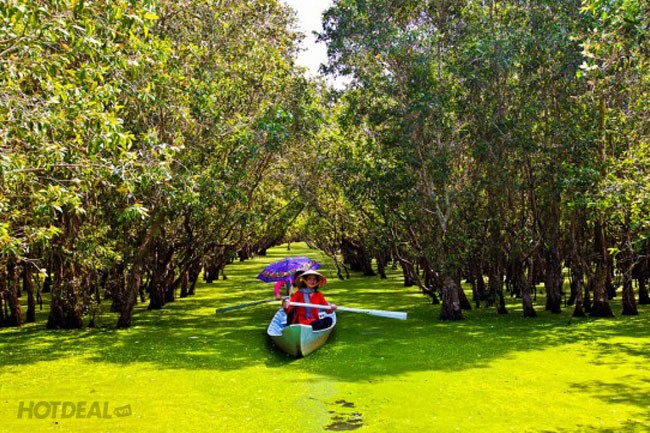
column 308, row 284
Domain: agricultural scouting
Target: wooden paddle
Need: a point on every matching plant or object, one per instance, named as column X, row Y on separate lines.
column 379, row 313
column 245, row 305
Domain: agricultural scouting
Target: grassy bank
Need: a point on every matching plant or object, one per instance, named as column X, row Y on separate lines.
column 186, row 369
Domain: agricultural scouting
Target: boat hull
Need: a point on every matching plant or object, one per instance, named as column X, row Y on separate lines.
column 297, row 340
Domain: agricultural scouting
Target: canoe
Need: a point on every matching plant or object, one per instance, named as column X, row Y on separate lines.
column 297, row 340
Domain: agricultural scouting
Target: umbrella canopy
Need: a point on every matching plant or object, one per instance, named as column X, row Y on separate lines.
column 285, row 268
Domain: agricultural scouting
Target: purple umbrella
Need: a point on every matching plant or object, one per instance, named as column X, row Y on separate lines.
column 285, row 268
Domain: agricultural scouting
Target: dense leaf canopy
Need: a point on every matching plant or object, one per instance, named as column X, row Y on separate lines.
column 147, row 142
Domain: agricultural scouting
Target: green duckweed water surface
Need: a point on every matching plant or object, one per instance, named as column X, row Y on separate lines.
column 186, row 369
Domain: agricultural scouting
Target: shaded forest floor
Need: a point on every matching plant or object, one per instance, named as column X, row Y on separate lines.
column 186, row 369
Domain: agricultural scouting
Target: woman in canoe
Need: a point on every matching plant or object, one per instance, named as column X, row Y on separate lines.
column 308, row 284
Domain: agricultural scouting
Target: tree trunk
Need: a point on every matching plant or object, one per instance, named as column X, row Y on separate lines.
column 115, row 286
column 382, row 262
column 408, row 270
column 16, row 317
column 479, row 291
column 66, row 311
column 471, row 280
column 195, row 270
column 600, row 306
column 640, row 273
column 577, row 284
column 588, row 290
column 3, row 288
column 626, row 264
column 553, row 280
column 501, row 309
column 579, row 297
column 644, row 295
column 450, row 309
column 56, row 318
column 357, row 257
column 495, row 288
column 158, row 285
column 130, row 296
column 170, row 284
column 609, row 280
column 133, row 286
column 524, row 287
column 156, row 294
column 185, row 284
column 462, row 297
column 629, row 303
column 575, row 274
column 28, row 287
